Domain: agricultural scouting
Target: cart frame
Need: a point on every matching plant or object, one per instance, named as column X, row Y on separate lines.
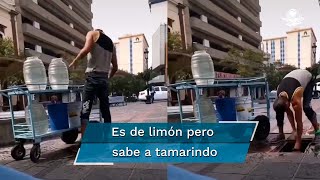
column 22, row 132
column 251, row 83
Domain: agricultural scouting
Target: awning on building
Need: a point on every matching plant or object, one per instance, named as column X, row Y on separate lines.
column 158, row 80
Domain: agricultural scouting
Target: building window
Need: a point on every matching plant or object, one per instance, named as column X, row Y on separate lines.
column 194, row 14
column 2, row 28
column 282, row 51
column 197, row 40
column 49, row 52
column 222, row 27
column 299, row 60
column 29, row 46
column 170, row 22
column 267, row 46
column 273, row 51
column 27, row 21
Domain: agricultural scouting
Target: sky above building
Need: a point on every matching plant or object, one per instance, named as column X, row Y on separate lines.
column 272, row 12
column 120, row 17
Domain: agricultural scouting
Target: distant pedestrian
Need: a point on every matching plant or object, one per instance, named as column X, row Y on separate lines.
column 54, row 99
column 221, row 94
column 102, row 54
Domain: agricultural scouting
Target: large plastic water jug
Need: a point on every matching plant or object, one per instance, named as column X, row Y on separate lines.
column 206, row 109
column 34, row 74
column 58, row 74
column 74, row 111
column 244, row 107
column 40, row 118
column 202, row 68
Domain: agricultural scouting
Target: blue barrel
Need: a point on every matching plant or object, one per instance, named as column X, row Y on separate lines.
column 226, row 109
column 58, row 116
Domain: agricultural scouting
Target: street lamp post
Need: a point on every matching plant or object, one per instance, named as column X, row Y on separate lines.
column 148, row 97
column 314, row 50
column 146, row 52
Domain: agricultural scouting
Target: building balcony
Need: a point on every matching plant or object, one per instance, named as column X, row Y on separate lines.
column 41, row 15
column 46, row 38
column 215, row 12
column 85, row 10
column 234, row 4
column 88, row 1
column 68, row 13
column 44, row 57
column 210, row 30
column 214, row 53
column 254, row 4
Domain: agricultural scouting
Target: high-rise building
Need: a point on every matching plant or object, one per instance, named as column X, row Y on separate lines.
column 49, row 28
column 217, row 25
column 7, row 16
column 131, row 53
column 294, row 49
column 159, row 13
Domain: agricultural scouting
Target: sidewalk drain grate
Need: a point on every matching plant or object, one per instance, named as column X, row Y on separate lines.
column 289, row 145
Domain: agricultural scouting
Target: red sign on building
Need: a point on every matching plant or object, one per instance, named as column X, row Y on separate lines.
column 222, row 75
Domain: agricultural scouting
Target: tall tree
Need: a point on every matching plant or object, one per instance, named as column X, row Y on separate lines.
column 12, row 74
column 126, row 84
column 247, row 62
column 314, row 69
column 276, row 72
column 6, row 47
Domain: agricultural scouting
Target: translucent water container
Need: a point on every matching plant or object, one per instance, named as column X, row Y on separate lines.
column 40, row 118
column 34, row 74
column 74, row 111
column 207, row 110
column 58, row 74
column 202, row 68
column 243, row 107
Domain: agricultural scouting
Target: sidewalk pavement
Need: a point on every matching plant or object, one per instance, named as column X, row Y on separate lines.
column 56, row 163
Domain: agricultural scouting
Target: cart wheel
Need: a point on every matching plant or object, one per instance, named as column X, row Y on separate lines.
column 69, row 137
column 263, row 128
column 18, row 152
column 35, row 153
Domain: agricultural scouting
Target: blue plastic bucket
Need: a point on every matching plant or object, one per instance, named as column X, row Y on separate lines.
column 58, row 116
column 226, row 109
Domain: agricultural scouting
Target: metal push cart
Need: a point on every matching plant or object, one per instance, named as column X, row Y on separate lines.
column 256, row 114
column 23, row 132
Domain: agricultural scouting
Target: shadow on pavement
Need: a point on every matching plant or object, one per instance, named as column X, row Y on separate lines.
column 69, row 152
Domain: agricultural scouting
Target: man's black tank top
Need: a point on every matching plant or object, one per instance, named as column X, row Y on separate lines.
column 288, row 85
column 293, row 80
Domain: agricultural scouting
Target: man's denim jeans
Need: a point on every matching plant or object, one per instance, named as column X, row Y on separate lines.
column 96, row 87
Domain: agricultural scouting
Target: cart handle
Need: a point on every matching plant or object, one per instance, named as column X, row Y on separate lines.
column 22, row 88
column 217, row 80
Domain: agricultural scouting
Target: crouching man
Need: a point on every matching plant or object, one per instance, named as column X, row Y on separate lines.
column 296, row 90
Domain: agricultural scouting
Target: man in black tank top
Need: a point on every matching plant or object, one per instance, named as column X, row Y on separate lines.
column 101, row 53
column 295, row 86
